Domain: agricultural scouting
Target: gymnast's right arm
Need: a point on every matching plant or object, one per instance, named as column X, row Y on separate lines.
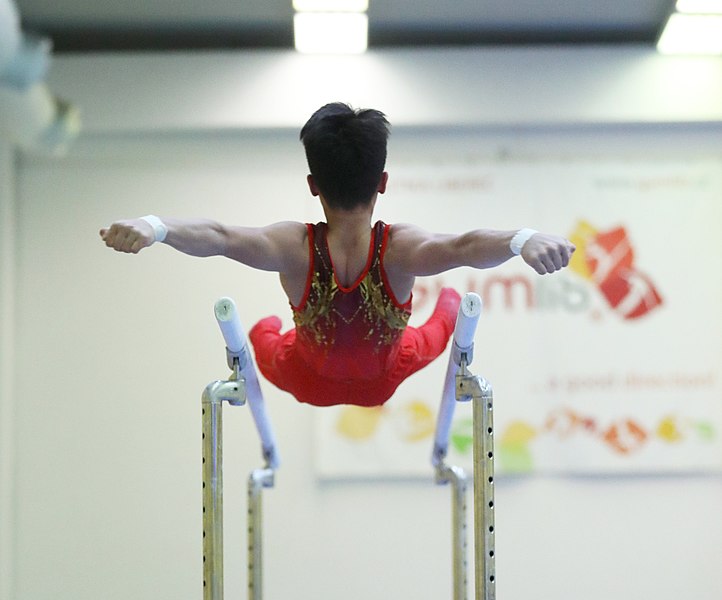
column 270, row 248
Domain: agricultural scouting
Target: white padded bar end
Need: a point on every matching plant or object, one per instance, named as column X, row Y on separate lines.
column 230, row 324
column 466, row 321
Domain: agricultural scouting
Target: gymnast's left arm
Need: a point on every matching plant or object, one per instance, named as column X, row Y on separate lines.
column 416, row 252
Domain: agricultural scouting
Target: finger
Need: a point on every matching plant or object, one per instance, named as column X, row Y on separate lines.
column 548, row 264
column 539, row 266
column 109, row 237
column 120, row 242
column 556, row 258
column 137, row 246
column 565, row 255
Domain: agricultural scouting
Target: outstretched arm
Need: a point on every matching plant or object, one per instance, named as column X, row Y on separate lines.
column 415, row 252
column 280, row 247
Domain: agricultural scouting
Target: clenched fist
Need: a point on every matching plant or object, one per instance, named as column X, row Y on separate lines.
column 128, row 236
column 547, row 253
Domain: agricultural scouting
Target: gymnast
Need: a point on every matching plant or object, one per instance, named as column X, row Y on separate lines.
column 348, row 282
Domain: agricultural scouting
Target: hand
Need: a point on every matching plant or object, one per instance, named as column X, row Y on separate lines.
column 547, row 253
column 129, row 236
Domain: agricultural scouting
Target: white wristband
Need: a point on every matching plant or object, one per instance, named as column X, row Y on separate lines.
column 520, row 238
column 159, row 228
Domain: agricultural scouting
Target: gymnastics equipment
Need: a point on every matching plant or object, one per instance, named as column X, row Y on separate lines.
column 461, row 386
column 241, row 387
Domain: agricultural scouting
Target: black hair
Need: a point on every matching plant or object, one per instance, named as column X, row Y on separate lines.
column 346, row 152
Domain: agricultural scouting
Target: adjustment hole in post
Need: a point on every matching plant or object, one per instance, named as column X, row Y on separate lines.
column 491, row 504
column 491, row 480
column 492, row 578
column 491, row 554
column 491, row 529
column 490, row 455
column 489, row 431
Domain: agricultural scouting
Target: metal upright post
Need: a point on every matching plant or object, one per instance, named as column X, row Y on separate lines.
column 457, row 478
column 484, row 552
column 212, row 497
column 484, row 491
column 258, row 479
column 215, row 393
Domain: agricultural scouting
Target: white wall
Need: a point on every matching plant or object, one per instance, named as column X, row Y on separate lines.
column 112, row 352
column 7, row 350
column 453, row 87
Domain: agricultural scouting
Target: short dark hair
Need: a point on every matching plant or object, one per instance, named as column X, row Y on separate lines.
column 346, row 152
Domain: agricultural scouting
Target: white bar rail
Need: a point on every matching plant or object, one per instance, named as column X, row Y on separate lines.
column 463, row 342
column 237, row 346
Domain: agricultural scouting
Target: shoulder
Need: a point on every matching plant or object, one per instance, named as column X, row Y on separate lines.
column 291, row 228
column 287, row 235
column 401, row 240
column 403, row 236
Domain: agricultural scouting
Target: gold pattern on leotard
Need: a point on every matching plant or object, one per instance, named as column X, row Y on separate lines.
column 367, row 307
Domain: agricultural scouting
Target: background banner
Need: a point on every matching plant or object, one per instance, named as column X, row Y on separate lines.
column 613, row 365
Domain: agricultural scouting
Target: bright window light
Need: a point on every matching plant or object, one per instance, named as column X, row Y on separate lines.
column 331, row 33
column 691, row 34
column 331, row 5
column 700, row 7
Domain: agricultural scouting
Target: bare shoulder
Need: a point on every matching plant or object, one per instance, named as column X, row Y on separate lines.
column 403, row 236
column 401, row 252
column 292, row 232
column 277, row 247
column 290, row 239
column 418, row 252
column 405, row 240
column 292, row 229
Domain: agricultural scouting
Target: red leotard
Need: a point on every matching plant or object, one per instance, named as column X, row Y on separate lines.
column 350, row 345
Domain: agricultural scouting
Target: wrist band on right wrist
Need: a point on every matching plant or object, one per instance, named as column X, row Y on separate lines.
column 159, row 228
column 520, row 238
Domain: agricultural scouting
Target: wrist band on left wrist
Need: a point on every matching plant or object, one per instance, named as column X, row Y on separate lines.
column 520, row 238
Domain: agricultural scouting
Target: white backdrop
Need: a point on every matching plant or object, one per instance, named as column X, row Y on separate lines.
column 112, row 353
column 610, row 366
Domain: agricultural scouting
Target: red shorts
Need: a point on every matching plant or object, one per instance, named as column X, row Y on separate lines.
column 279, row 361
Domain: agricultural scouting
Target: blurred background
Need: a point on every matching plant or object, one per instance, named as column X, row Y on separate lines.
column 504, row 114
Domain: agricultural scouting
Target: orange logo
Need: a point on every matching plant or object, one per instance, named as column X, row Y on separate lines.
column 606, row 258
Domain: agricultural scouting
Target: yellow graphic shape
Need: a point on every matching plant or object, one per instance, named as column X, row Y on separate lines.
column 668, row 430
column 514, row 453
column 515, row 457
column 358, row 422
column 581, row 235
column 414, row 421
column 518, row 432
